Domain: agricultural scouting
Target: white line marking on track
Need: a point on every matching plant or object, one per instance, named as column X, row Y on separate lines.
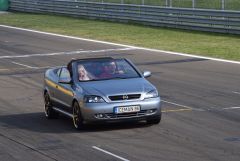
column 128, row 46
column 176, row 104
column 178, row 110
column 64, row 53
column 231, row 108
column 236, row 92
column 27, row 66
column 107, row 152
column 187, row 107
column 37, row 68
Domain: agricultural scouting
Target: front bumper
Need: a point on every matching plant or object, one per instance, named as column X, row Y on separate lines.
column 94, row 112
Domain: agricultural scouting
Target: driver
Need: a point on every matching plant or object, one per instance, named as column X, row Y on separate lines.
column 112, row 68
column 109, row 69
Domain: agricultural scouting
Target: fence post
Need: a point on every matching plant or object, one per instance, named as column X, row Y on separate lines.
column 223, row 4
column 193, row 4
column 142, row 2
column 170, row 3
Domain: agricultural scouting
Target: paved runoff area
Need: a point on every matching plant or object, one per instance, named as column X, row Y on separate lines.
column 200, row 101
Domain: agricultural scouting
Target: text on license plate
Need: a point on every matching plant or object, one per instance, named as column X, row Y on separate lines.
column 127, row 109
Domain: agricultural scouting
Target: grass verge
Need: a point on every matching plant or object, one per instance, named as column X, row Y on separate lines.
column 206, row 4
column 199, row 43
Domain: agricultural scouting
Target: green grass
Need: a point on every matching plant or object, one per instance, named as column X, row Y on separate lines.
column 192, row 42
column 232, row 5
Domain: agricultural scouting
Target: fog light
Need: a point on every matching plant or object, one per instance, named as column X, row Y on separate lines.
column 100, row 115
column 150, row 111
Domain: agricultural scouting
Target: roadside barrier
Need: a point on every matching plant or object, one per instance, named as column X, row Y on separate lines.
column 4, row 5
column 184, row 18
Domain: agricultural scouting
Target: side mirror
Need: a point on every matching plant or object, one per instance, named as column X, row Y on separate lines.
column 146, row 74
column 65, row 80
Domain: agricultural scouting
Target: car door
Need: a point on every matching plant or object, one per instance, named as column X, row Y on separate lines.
column 52, row 84
column 64, row 91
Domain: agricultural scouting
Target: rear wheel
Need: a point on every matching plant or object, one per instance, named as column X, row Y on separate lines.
column 155, row 120
column 77, row 116
column 49, row 112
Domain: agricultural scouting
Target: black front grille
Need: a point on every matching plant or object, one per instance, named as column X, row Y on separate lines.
column 124, row 97
column 112, row 115
column 126, row 115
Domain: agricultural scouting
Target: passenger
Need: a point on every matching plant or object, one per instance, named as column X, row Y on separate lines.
column 82, row 73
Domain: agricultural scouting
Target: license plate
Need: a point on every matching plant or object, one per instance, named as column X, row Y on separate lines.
column 127, row 109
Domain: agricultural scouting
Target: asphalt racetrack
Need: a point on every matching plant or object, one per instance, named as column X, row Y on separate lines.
column 200, row 98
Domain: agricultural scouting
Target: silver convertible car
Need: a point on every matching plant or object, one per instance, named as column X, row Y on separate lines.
column 101, row 90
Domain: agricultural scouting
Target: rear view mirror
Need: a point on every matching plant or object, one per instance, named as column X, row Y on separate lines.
column 146, row 74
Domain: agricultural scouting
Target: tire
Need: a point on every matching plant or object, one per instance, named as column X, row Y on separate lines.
column 49, row 112
column 77, row 116
column 155, row 120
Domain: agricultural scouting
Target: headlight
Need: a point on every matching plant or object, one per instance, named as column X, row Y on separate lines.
column 93, row 99
column 151, row 94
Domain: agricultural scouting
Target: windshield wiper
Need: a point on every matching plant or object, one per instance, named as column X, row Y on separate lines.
column 119, row 78
column 114, row 78
column 91, row 80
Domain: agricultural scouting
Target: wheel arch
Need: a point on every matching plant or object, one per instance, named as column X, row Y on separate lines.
column 76, row 100
column 45, row 91
column 73, row 101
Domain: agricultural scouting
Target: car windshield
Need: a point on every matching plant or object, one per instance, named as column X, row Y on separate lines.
column 105, row 69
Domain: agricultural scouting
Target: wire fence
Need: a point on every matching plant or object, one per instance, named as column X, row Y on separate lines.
column 201, row 4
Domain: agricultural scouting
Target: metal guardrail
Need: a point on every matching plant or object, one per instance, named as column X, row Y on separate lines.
column 191, row 19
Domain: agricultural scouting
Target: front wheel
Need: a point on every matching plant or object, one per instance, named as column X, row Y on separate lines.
column 77, row 116
column 49, row 112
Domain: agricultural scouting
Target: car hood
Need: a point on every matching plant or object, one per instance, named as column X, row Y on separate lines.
column 117, row 87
